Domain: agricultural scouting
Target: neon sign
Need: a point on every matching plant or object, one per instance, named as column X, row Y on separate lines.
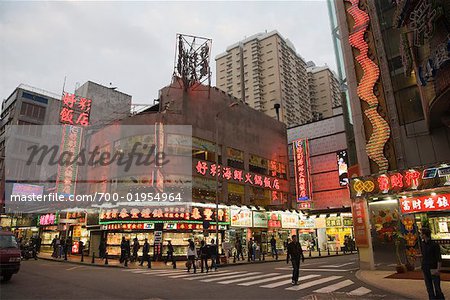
column 198, row 214
column 228, row 173
column 48, row 219
column 75, row 110
column 301, row 167
column 381, row 131
column 425, row 203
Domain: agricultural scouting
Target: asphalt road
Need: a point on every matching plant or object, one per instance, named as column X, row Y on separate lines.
column 322, row 278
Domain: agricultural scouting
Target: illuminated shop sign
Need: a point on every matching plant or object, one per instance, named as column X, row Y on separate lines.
column 359, row 213
column 48, row 219
column 191, row 226
column 273, row 220
column 194, row 214
column 130, row 226
column 304, row 205
column 75, row 110
column 306, row 223
column 425, row 203
column 260, row 219
column 241, row 217
column 333, row 222
column 230, row 174
column 388, row 183
column 301, row 167
column 342, row 161
column 380, row 134
column 289, row 220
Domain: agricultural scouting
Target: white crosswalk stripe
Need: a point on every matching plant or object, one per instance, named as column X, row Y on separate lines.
column 230, row 277
column 246, row 279
column 277, row 284
column 215, row 275
column 264, row 280
column 334, row 287
column 361, row 291
column 170, row 273
column 196, row 274
column 313, row 283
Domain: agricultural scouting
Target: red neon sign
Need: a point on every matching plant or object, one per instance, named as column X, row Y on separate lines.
column 75, row 110
column 381, row 131
column 301, row 157
column 229, row 173
column 425, row 203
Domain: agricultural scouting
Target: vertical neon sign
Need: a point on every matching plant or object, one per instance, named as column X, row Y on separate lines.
column 371, row 72
column 301, row 168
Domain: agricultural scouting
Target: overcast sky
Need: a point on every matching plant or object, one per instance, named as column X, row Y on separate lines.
column 132, row 44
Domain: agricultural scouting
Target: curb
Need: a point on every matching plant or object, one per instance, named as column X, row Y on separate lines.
column 382, row 287
column 220, row 266
column 80, row 263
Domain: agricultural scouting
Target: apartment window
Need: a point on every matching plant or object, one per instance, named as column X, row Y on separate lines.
column 30, row 129
column 235, row 158
column 203, row 188
column 34, row 97
column 204, row 150
column 257, row 164
column 236, row 194
column 32, row 111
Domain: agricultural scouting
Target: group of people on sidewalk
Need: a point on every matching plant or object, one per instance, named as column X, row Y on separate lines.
column 129, row 252
column 254, row 249
column 206, row 252
column 62, row 247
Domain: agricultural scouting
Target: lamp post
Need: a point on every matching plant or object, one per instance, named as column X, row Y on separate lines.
column 217, row 173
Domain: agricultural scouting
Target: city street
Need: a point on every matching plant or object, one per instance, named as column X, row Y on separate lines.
column 323, row 278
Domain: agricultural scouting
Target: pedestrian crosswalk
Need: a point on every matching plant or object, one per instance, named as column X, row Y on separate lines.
column 316, row 283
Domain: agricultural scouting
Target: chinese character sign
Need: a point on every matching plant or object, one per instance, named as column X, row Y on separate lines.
column 425, row 203
column 301, row 168
column 359, row 223
column 74, row 110
column 241, row 217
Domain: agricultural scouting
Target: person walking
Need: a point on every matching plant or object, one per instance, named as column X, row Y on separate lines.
column 62, row 246
column 250, row 249
column 213, row 253
column 123, row 250
column 145, row 251
column 254, row 246
column 431, row 265
column 66, row 247
column 54, row 245
column 204, row 255
column 169, row 252
column 136, row 247
column 295, row 252
column 273, row 246
column 191, row 256
column 102, row 248
column 313, row 244
column 238, row 247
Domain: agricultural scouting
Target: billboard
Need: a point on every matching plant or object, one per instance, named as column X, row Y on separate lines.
column 342, row 161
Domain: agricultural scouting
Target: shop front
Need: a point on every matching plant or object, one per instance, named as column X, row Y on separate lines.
column 307, row 231
column 390, row 209
column 48, row 230
column 163, row 224
column 339, row 231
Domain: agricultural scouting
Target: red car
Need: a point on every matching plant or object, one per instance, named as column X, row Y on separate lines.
column 9, row 255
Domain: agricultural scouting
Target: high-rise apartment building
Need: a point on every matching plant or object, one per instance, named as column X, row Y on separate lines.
column 264, row 70
column 323, row 90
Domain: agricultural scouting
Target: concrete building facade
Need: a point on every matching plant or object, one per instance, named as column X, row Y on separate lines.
column 324, row 92
column 264, row 70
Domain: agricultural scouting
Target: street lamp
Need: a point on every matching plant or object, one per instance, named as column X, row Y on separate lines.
column 217, row 174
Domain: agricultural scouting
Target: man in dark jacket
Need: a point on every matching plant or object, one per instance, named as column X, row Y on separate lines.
column 273, row 245
column 295, row 252
column 431, row 265
column 145, row 251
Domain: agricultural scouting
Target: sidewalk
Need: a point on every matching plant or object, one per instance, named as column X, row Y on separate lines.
column 114, row 263
column 409, row 288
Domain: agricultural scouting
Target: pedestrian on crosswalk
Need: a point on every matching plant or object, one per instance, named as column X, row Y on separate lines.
column 204, row 255
column 295, row 252
column 213, row 253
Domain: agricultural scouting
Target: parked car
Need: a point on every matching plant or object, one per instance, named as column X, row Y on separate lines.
column 9, row 255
